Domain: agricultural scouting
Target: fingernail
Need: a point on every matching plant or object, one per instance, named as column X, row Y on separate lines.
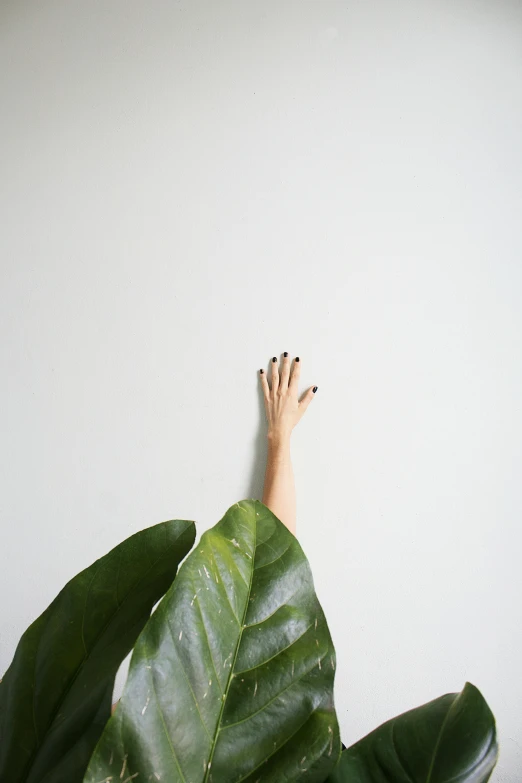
column 274, row 359
column 315, row 389
column 297, row 358
column 285, row 353
column 261, row 371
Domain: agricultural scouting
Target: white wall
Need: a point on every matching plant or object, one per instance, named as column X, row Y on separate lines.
column 189, row 188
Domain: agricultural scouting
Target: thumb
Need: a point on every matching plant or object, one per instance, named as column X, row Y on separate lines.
column 307, row 399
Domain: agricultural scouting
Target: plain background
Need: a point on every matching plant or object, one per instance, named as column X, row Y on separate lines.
column 188, row 189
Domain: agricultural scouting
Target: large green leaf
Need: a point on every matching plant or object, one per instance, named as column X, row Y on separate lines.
column 232, row 678
column 452, row 738
column 55, row 698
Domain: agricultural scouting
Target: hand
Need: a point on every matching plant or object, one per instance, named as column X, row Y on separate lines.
column 283, row 409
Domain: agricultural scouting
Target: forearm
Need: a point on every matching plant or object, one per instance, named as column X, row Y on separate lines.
column 279, row 489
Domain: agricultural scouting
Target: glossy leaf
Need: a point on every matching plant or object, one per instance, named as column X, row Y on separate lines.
column 452, row 738
column 232, row 677
column 55, row 698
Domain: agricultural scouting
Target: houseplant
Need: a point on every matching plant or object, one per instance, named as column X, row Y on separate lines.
column 231, row 677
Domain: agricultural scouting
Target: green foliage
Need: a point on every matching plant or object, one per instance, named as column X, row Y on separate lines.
column 230, row 681
column 55, row 698
column 451, row 738
column 232, row 678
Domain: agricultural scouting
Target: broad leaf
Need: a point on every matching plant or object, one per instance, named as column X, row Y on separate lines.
column 232, row 678
column 55, row 698
column 452, row 738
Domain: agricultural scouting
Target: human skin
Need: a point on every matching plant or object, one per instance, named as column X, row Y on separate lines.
column 283, row 412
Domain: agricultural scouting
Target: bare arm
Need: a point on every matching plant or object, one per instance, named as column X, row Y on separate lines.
column 283, row 411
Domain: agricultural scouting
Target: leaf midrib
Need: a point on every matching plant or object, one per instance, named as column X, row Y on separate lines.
column 240, row 635
column 439, row 738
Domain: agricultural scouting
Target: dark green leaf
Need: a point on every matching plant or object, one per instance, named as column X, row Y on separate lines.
column 452, row 738
column 55, row 698
column 232, row 677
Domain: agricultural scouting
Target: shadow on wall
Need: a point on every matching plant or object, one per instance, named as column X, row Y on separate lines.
column 257, row 479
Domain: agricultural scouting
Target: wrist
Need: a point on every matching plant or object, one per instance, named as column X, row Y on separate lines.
column 278, row 437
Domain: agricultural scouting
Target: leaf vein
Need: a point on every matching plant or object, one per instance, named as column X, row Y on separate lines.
column 258, row 665
column 280, row 693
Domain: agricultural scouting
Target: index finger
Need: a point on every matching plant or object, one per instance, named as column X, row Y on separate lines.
column 296, row 372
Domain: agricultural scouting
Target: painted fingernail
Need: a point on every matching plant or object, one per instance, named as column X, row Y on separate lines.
column 315, row 389
column 261, row 371
column 274, row 359
column 285, row 353
column 297, row 358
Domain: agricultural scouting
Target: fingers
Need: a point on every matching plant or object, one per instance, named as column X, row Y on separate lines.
column 285, row 372
column 264, row 385
column 274, row 375
column 307, row 399
column 283, row 380
column 296, row 372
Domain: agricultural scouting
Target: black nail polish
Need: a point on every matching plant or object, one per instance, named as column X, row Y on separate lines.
column 315, row 389
column 274, row 359
column 285, row 353
column 261, row 371
column 297, row 358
